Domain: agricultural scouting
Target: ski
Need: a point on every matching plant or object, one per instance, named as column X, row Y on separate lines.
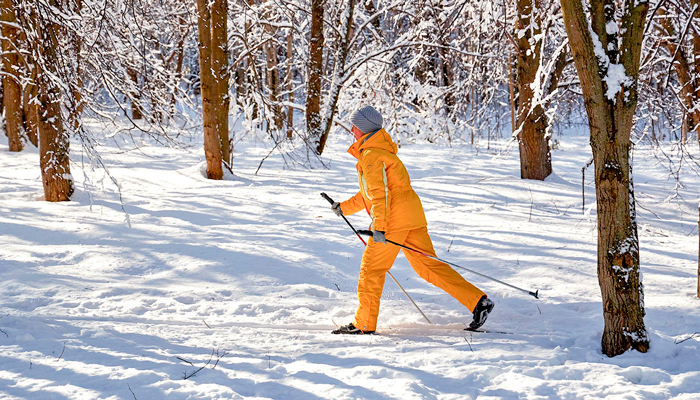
column 488, row 331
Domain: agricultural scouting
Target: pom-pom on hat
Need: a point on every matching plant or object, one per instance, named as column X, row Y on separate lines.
column 367, row 119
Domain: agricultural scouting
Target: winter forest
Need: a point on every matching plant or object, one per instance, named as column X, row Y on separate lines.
column 162, row 233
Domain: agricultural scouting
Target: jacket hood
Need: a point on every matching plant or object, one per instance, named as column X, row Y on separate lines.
column 377, row 140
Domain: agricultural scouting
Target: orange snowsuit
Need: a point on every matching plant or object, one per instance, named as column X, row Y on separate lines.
column 387, row 195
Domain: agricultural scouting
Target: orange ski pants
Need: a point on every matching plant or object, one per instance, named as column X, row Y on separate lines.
column 378, row 259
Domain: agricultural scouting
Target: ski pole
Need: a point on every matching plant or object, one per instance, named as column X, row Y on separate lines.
column 534, row 294
column 325, row 196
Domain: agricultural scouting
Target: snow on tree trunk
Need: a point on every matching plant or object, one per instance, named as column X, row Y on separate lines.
column 12, row 98
column 77, row 110
column 212, row 146
column 315, row 73
column 609, row 77
column 532, row 123
column 29, row 104
column 54, row 140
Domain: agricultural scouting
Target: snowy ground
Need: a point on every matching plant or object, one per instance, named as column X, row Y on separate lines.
column 257, row 269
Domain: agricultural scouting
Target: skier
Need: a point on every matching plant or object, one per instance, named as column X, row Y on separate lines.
column 397, row 214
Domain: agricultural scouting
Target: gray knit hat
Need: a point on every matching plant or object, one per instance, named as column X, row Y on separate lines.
column 367, row 119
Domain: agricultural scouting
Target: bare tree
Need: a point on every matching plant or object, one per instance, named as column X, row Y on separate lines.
column 315, row 74
column 12, row 98
column 540, row 62
column 606, row 50
column 273, row 73
column 219, row 66
column 683, row 46
column 29, row 100
column 289, row 76
column 30, row 93
column 212, row 142
column 54, row 140
column 136, row 112
column 339, row 73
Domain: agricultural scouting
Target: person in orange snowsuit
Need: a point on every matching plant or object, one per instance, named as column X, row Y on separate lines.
column 397, row 215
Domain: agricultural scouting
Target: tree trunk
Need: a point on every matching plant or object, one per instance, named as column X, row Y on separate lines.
column 54, row 141
column 288, row 84
column 212, row 144
column 511, row 91
column 313, row 88
column 371, row 10
column 683, row 65
column 77, row 112
column 338, row 73
column 696, row 76
column 531, row 122
column 12, row 98
column 219, row 66
column 273, row 84
column 29, row 102
column 179, row 61
column 136, row 113
column 610, row 111
column 273, row 75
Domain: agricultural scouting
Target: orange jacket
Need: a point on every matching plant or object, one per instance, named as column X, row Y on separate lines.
column 385, row 187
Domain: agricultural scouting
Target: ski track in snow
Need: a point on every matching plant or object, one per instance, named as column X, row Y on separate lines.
column 259, row 269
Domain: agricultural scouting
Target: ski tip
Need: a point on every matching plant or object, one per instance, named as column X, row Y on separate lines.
column 536, row 294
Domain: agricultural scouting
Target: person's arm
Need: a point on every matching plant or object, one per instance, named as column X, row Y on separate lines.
column 353, row 204
column 374, row 170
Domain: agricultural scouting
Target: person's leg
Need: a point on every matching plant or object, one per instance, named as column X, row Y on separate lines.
column 376, row 261
column 439, row 273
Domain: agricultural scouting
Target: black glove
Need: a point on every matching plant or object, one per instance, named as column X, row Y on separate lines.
column 379, row 237
column 336, row 209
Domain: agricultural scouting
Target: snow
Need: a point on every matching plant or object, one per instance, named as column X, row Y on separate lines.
column 615, row 79
column 253, row 271
column 615, row 76
column 611, row 27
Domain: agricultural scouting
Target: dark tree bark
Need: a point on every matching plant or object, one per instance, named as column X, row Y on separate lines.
column 273, row 75
column 288, row 85
column 219, row 66
column 531, row 121
column 31, row 112
column 610, row 101
column 212, row 144
column 136, row 112
column 12, row 98
column 371, row 10
column 313, row 88
column 54, row 140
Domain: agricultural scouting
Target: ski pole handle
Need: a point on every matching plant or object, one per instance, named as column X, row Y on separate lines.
column 366, row 233
column 325, row 196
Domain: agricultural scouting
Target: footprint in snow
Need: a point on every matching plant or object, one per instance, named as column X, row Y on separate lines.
column 185, row 299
